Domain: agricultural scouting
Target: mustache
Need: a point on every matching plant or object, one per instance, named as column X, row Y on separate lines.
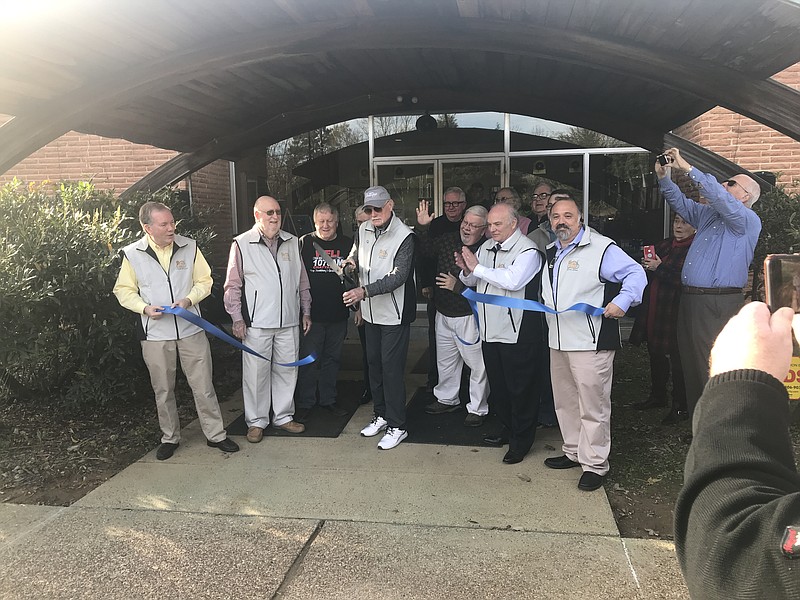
column 562, row 226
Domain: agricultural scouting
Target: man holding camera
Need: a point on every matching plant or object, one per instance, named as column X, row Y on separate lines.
column 716, row 267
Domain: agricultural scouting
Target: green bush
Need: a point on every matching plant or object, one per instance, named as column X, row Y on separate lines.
column 65, row 335
column 780, row 231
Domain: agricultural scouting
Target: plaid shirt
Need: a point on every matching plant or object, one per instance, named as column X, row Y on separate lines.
column 442, row 248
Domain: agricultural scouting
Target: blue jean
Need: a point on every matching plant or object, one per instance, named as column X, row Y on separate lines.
column 324, row 339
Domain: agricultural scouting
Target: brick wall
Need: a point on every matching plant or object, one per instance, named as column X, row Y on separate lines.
column 211, row 199
column 747, row 143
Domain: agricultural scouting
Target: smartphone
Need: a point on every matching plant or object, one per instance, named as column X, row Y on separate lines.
column 782, row 281
column 649, row 252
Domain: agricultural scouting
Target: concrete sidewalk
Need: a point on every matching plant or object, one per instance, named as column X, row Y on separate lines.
column 332, row 518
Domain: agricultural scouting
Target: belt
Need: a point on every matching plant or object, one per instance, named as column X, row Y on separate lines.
column 720, row 291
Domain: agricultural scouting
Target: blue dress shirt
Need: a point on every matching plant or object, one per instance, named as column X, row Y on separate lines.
column 727, row 233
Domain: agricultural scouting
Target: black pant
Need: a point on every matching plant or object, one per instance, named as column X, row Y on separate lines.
column 515, row 380
column 362, row 337
column 660, row 367
column 387, row 350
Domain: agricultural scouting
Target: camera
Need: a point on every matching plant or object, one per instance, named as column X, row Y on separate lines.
column 782, row 281
column 663, row 159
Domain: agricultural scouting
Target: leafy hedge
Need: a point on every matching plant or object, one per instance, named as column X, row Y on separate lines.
column 65, row 337
column 780, row 231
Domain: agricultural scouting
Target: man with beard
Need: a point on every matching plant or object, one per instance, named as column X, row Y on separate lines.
column 509, row 265
column 584, row 266
column 455, row 322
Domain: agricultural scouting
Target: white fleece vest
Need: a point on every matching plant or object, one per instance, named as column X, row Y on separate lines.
column 271, row 287
column 161, row 288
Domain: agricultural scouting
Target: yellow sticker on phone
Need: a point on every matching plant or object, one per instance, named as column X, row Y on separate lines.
column 792, row 381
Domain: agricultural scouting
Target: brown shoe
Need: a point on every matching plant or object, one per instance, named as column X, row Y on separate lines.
column 292, row 427
column 254, row 434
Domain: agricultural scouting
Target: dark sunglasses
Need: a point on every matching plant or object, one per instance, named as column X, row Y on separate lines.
column 271, row 211
column 368, row 209
column 733, row 182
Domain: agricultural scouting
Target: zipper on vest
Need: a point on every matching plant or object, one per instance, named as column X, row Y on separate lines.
column 511, row 318
column 591, row 329
column 253, row 309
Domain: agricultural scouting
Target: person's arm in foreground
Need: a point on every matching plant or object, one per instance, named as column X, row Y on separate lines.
column 741, row 488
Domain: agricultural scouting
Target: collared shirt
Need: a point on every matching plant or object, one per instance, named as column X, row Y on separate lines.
column 232, row 298
column 126, row 289
column 616, row 267
column 511, row 277
column 727, row 233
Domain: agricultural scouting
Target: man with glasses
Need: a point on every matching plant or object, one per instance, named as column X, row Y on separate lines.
column 266, row 290
column 455, row 323
column 717, row 265
column 539, row 200
column 455, row 201
column 383, row 253
column 509, row 195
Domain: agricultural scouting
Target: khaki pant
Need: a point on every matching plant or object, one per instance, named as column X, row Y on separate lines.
column 582, row 395
column 195, row 355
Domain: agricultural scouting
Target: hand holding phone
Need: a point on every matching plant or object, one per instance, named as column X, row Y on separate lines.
column 649, row 252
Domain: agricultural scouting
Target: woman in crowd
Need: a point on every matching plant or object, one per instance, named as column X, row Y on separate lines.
column 656, row 322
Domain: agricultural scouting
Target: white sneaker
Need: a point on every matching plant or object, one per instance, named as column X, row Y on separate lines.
column 393, row 437
column 375, row 426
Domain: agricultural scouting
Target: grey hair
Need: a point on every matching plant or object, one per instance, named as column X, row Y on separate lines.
column 359, row 211
column 754, row 195
column 325, row 207
column 462, row 197
column 478, row 211
column 147, row 210
column 513, row 212
column 516, row 200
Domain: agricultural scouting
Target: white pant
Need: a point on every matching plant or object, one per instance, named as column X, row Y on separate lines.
column 582, row 395
column 451, row 354
column 264, row 383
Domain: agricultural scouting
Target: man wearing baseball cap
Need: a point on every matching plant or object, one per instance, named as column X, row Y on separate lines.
column 383, row 253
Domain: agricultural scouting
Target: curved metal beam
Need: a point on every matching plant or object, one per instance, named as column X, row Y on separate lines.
column 766, row 101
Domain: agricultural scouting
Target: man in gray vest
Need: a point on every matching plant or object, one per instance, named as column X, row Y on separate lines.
column 383, row 253
column 165, row 269
column 265, row 291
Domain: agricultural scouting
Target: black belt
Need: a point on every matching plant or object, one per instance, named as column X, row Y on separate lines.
column 688, row 289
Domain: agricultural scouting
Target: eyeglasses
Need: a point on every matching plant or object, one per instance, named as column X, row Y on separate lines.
column 542, row 196
column 503, row 199
column 471, row 226
column 453, row 204
column 733, row 183
column 368, row 209
column 270, row 212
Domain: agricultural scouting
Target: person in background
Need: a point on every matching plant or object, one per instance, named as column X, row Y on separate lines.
column 454, row 203
column 366, row 396
column 737, row 517
column 383, row 254
column 510, row 196
column 657, row 321
column 166, row 269
column 539, row 201
column 265, row 293
column 717, row 266
column 455, row 322
column 329, row 315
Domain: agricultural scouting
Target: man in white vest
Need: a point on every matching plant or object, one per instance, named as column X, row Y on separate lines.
column 383, row 253
column 266, row 290
column 584, row 266
column 165, row 269
column 508, row 264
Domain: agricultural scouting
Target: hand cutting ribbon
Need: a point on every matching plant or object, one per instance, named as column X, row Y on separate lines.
column 217, row 332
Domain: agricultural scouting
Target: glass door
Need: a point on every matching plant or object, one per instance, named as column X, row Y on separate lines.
column 479, row 178
column 408, row 183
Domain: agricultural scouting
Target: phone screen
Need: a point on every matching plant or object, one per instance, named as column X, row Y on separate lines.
column 782, row 281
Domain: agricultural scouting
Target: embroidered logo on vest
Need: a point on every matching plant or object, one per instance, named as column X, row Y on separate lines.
column 573, row 265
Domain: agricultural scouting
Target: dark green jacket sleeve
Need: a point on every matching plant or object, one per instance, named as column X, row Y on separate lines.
column 741, row 490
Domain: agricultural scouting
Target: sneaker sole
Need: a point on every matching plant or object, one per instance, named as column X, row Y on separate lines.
column 374, row 434
column 405, row 435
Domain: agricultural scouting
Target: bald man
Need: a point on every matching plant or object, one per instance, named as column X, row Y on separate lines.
column 717, row 265
column 266, row 290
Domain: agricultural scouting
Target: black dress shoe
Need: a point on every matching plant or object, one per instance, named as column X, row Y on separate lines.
column 226, row 445
column 496, row 440
column 335, row 410
column 301, row 414
column 590, row 481
column 166, row 450
column 512, row 458
column 560, row 462
column 366, row 397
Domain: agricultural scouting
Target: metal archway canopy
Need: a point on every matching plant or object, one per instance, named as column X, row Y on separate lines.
column 214, row 78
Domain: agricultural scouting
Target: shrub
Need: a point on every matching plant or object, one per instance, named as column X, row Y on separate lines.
column 66, row 337
column 780, row 231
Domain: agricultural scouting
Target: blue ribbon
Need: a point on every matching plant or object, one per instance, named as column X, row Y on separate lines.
column 217, row 332
column 474, row 297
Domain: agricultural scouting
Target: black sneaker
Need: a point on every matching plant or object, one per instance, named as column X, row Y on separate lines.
column 438, row 408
